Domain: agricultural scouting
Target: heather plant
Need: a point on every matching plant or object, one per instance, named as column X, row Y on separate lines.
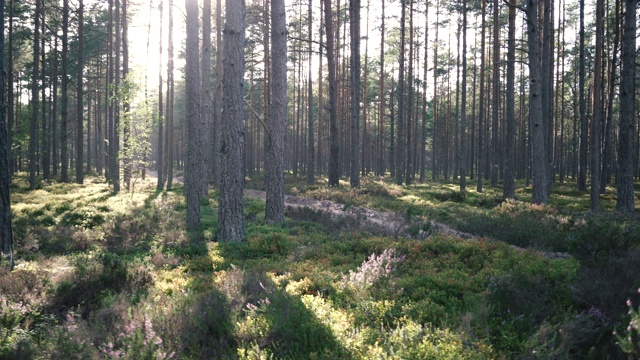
column 372, row 270
column 629, row 339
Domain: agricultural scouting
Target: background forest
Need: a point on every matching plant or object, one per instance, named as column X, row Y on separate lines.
column 146, row 148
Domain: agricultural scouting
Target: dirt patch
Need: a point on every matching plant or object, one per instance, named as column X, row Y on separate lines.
column 348, row 218
column 380, row 223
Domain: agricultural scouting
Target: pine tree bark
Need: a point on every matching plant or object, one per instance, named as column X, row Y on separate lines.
column 584, row 123
column 64, row 150
column 160, row 150
column 127, row 152
column 79, row 97
column 496, row 95
column 334, row 155
column 382, row 163
column 508, row 190
column 462, row 162
column 217, row 104
column 539, row 165
column 354, row 31
column 481, row 114
column 625, row 201
column 310, row 127
column 169, row 133
column 206, row 102
column 114, row 144
column 6, row 233
column 598, row 109
column 33, row 133
column 400, row 139
column 230, row 211
column 276, row 128
column 195, row 167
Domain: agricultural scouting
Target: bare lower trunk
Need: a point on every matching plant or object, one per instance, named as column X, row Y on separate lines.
column 230, row 211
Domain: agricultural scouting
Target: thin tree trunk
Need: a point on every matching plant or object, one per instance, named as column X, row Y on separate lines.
column 206, row 102
column 382, row 164
column 584, row 124
column 6, row 234
column 598, row 109
column 274, row 177
column 79, row 99
column 509, row 191
column 64, row 149
column 481, row 104
column 496, row 94
column 334, row 148
column 35, row 74
column 160, row 150
column 540, row 194
column 354, row 30
column 310, row 131
column 400, row 142
column 169, row 142
column 217, row 105
column 462, row 163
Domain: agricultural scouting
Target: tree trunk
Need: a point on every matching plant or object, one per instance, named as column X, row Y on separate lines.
column 625, row 201
column 217, row 104
column 310, row 131
column 382, row 163
column 462, row 162
column 584, row 122
column 169, row 143
column 33, row 133
column 481, row 149
column 230, row 210
column 596, row 125
column 127, row 152
column 354, row 30
column 195, row 166
column 334, row 155
column 496, row 95
column 540, row 194
column 206, row 102
column 508, row 190
column 6, row 235
column 274, row 176
column 79, row 98
column 64, row 118
column 400, row 142
column 160, row 150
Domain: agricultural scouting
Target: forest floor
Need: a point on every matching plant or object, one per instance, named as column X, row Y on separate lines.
column 385, row 272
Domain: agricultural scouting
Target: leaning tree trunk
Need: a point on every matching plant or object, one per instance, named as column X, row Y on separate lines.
column 274, row 176
column 230, row 210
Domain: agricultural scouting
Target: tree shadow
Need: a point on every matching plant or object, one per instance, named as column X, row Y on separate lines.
column 273, row 322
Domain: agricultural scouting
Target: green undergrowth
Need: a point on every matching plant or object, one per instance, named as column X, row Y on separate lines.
column 104, row 276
